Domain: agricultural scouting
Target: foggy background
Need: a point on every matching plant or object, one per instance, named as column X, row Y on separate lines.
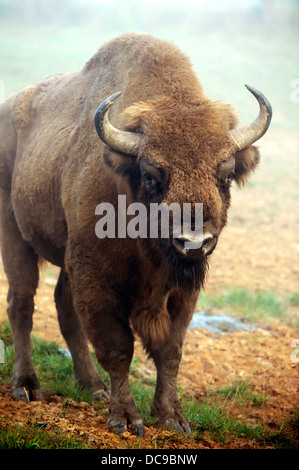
column 230, row 43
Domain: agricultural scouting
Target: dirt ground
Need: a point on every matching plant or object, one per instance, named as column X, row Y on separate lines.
column 260, row 250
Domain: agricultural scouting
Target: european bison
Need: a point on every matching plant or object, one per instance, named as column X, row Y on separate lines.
column 165, row 142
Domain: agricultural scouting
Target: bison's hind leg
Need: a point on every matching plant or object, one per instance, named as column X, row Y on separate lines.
column 86, row 373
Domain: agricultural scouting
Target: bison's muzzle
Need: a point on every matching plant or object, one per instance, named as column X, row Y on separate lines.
column 193, row 247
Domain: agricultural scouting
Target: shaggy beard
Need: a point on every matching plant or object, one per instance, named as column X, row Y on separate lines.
column 187, row 275
column 183, row 273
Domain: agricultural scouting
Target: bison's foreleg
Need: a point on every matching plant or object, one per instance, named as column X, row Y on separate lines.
column 114, row 350
column 21, row 268
column 167, row 353
column 166, row 406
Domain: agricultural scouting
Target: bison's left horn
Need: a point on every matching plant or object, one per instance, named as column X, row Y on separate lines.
column 246, row 136
column 121, row 141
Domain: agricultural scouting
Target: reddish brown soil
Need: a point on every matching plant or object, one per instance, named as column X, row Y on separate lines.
column 259, row 250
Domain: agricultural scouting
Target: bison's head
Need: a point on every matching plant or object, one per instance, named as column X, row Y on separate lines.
column 184, row 154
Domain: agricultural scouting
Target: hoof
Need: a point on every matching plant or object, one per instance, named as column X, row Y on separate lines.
column 99, row 394
column 172, row 424
column 139, row 429
column 121, row 427
column 117, row 428
column 184, row 428
column 28, row 394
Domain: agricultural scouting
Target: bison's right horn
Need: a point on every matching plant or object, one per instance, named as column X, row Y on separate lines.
column 247, row 135
column 121, row 141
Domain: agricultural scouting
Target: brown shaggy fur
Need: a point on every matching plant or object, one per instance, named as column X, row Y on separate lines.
column 54, row 171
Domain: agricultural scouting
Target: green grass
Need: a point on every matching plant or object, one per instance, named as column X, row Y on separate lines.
column 212, row 419
column 294, row 299
column 222, row 428
column 53, row 368
column 249, row 304
column 34, row 437
column 240, row 392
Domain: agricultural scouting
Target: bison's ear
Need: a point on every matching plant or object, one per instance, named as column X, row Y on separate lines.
column 246, row 162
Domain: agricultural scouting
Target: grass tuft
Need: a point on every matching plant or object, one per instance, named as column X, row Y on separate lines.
column 294, row 299
column 221, row 427
column 249, row 304
column 35, row 437
column 239, row 392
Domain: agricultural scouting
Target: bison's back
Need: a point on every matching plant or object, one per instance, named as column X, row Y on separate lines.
column 144, row 67
column 35, row 128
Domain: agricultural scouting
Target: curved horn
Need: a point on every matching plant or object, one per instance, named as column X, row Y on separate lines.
column 121, row 141
column 246, row 136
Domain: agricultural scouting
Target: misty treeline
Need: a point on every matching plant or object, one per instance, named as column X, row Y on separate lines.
column 136, row 14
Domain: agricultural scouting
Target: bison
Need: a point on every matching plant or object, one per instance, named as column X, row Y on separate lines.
column 61, row 155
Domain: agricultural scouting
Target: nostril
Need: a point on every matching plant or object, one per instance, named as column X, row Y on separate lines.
column 179, row 244
column 209, row 244
column 181, row 241
column 194, row 246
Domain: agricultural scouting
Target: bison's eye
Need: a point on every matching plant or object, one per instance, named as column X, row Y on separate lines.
column 229, row 178
column 152, row 180
column 225, row 173
column 151, row 185
column 148, row 179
